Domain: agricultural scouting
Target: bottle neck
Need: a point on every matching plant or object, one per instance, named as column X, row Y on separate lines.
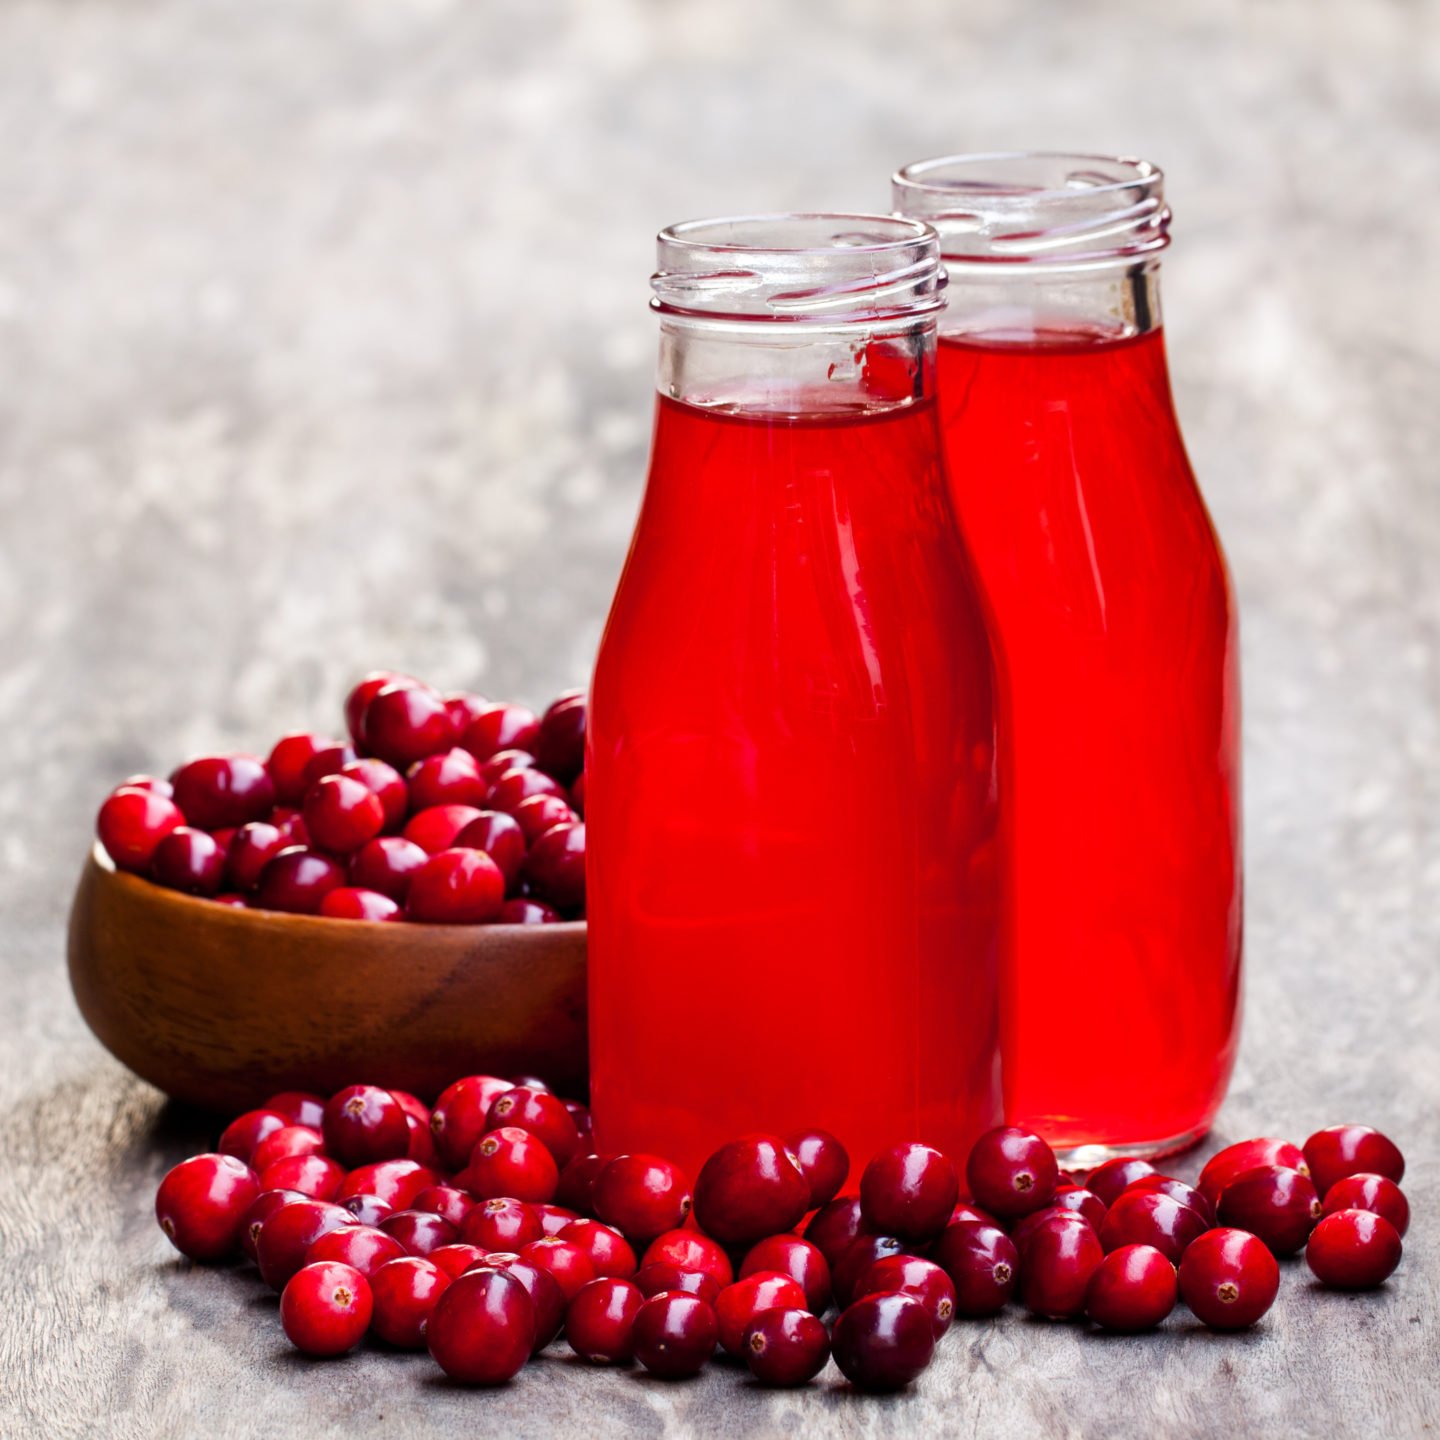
column 1003, row 303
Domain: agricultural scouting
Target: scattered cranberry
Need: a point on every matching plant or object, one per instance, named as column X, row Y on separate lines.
column 524, row 911
column 500, row 837
column 299, row 1107
column 240, row 1137
column 360, row 1246
column 202, row 1203
column 541, row 813
column 859, row 1256
column 600, row 1320
column 1148, row 1217
column 982, row 1263
column 741, row 1302
column 661, row 1275
column 1376, row 1193
column 642, row 1196
column 800, row 1260
column 405, row 1292
column 823, row 1161
column 341, row 814
column 546, row 1296
column 1012, row 1172
column 503, row 760
column 449, row 778
column 511, row 1162
column 315, row 1175
column 287, row 762
column 329, row 761
column 1344, row 1150
column 1056, row 1265
column 357, row 702
column 501, row 1224
column 326, row 1308
column 1245, row 1155
column 349, row 903
column 882, row 1342
column 1134, row 1288
column 439, row 828
column 387, row 865
column 834, row 1226
column 223, row 790
column 749, row 1189
column 456, row 887
column 577, row 1182
column 152, row 783
column 553, row 1218
column 1279, row 1206
column 364, row 1123
column 555, row 865
column 367, row 1209
column 386, row 784
column 255, row 845
column 483, row 1325
column 1229, row 1279
column 542, row 1114
column 1116, row 1176
column 674, row 1334
column 405, row 722
column 297, row 880
column 1353, row 1250
column 1083, row 1201
column 265, row 1204
column 560, row 741
column 396, row 1182
column 133, row 822
column 500, row 727
column 584, row 1122
column 288, row 1234
column 464, row 708
column 288, row 1140
column 909, row 1191
column 448, row 1202
column 419, row 1231
column 1022, row 1230
column 1176, row 1190
column 566, row 1263
column 458, row 1120
column 690, row 1250
column 910, row 1275
column 456, row 1259
column 785, row 1347
column 609, row 1251
column 189, row 860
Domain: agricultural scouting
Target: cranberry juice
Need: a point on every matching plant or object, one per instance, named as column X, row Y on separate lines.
column 1114, row 633
column 790, row 796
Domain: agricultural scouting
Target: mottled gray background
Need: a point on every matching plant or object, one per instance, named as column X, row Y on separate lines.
column 323, row 344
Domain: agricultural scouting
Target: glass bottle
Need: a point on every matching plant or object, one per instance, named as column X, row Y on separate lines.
column 1114, row 626
column 790, row 795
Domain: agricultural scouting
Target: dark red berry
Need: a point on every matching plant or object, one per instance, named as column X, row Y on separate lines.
column 386, row 865
column 553, row 1218
column 568, row 1264
column 965, row 1211
column 982, row 1263
column 1353, row 1250
column 1084, row 1202
column 1245, row 1155
column 287, row 762
column 367, row 1209
column 202, row 1203
column 450, row 778
column 883, row 1342
column 520, row 783
column 540, row 813
column 542, row 1114
column 749, row 1189
column 456, row 1259
column 189, row 860
column 503, row 760
column 1279, row 1206
column 909, row 1191
column 674, row 1334
column 132, row 822
column 577, row 1183
column 1056, row 1265
column 1012, row 1172
column 405, row 1292
column 577, row 795
column 325, row 1308
column 511, row 1162
column 297, row 880
column 483, row 1325
column 1148, row 1217
column 341, row 814
column 361, row 1246
column 609, row 1251
column 364, row 1123
column 330, row 761
column 910, row 1275
column 464, row 707
column 823, row 1161
column 555, row 866
column 1375, row 1193
column 348, row 903
column 255, row 845
column 785, row 1347
column 1116, row 1176
column 288, row 1234
column 690, row 1250
column 600, row 1320
column 797, row 1258
column 1022, row 1230
column 559, row 744
column 405, row 723
column 359, row 698
column 396, row 1182
column 240, row 1137
column 448, row 1203
column 458, row 1120
column 858, row 1257
column 833, row 1226
column 660, row 1276
column 1344, row 1150
column 315, row 1175
column 265, row 1204
column 1134, row 1288
column 741, row 1302
column 419, row 1231
column 584, row 1123
column 284, row 1142
column 500, row 727
column 386, row 784
column 152, row 783
column 299, row 1107
column 1177, row 1190
column 1229, row 1279
column 219, row 791
column 523, row 911
column 544, row 1291
column 642, row 1196
column 456, row 887
column 500, row 837
column 501, row 1223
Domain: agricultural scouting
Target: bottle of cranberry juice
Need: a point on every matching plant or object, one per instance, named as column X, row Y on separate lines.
column 1114, row 627
column 790, row 790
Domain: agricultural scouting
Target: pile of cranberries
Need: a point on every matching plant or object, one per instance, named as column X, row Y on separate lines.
column 485, row 1228
column 440, row 808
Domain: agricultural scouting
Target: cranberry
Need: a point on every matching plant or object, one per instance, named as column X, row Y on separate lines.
column 522, row 911
column 329, row 761
column 577, row 1183
column 823, row 1161
column 882, row 1342
column 364, row 1123
column 741, row 1302
column 420, row 1231
column 456, row 1259
column 386, row 865
column 500, row 837
column 422, row 1147
column 859, row 1256
column 568, row 1264
column 797, row 1258
column 1344, row 1150
column 910, row 1275
column 299, row 1107
column 1012, row 1172
column 1245, row 1155
column 501, row 1224
column 559, row 744
column 201, row 1205
column 608, row 1249
column 690, row 1250
column 255, row 845
column 1114, row 1177
column 458, row 1120
column 326, row 1308
column 1084, row 1202
column 785, row 1347
column 982, row 1263
column 342, row 814
column 297, row 880
column 405, row 722
column 749, row 1189
column 1229, row 1279
column 577, row 794
column 833, row 1226
column 284, row 1238
column 584, row 1122
column 1021, row 1232
column 555, row 865
column 1279, row 1206
column 456, row 887
column 287, row 762
column 1148, row 1217
column 909, row 1191
column 189, row 860
column 483, row 1326
column 642, row 1196
column 291, row 824
column 1056, row 1265
column 544, row 1291
column 542, row 1114
column 386, row 784
column 450, row 778
column 464, row 707
column 511, row 1162
column 600, row 1319
column 152, row 783
column 1376, row 1193
column 357, row 702
column 540, row 813
column 553, row 1218
column 240, row 1137
column 232, row 901
column 223, row 790
column 348, row 903
column 413, row 1106
column 282, row 1143
column 396, row 1182
column 1353, row 1250
column 674, row 1334
column 500, row 727
column 405, row 1292
column 361, row 1246
column 448, row 1203
column 1134, row 1288
column 367, row 1209
column 314, row 1175
column 264, row 1205
column 661, row 1275
column 1176, row 1190
column 503, row 760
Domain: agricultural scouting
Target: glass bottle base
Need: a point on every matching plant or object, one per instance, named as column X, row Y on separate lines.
column 1088, row 1157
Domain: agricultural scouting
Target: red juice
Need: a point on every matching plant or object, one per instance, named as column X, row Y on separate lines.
column 1114, row 632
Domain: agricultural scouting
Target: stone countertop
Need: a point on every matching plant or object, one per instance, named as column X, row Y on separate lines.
column 323, row 344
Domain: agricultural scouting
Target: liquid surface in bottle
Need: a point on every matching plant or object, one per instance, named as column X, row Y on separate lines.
column 1118, row 699
column 790, row 797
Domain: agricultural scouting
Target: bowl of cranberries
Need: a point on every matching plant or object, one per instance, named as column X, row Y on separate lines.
column 413, row 891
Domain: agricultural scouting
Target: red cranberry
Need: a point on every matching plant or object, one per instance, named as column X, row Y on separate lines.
column 419, row 1231
column 982, row 1263
column 240, row 1137
column 503, row 760
column 823, row 1161
column 540, row 813
column 1350, row 1150
column 326, row 1308
column 642, row 1196
column 448, row 1203
column 223, row 790
column 483, row 1325
column 291, row 824
column 584, row 1123
column 1245, row 1155
column 566, row 1263
column 553, row 1218
column 152, row 783
column 910, row 1275
column 464, row 707
column 189, row 860
column 1021, row 1232
column 450, row 778
column 1229, row 1279
column 361, row 1246
column 342, row 814
column 299, row 1107
column 1375, row 1193
column 741, row 1302
column 386, row 784
column 1084, row 1202
column 386, row 865
column 749, row 1189
column 909, row 1191
column 520, row 783
column 555, row 866
column 232, row 902
column 577, row 794
column 1277, row 1205
column 577, row 1183
column 1176, row 1190
column 1056, row 1265
column 882, row 1342
column 456, row 1259
column 1134, row 1288
column 255, row 845
column 559, row 744
column 1353, row 1250
column 1116, row 1176
column 797, row 1258
column 965, row 1211
column 405, row 1292
column 511, row 1162
column 367, row 1209
column 1148, row 1217
column 289, row 1233
column 297, row 881
column 500, row 727
column 833, row 1226
column 458, row 1120
column 314, row 1175
column 690, row 1250
column 329, row 761
column 396, row 1182
column 500, row 837
column 661, row 1275
column 674, row 1334
column 287, row 762
column 456, row 887
column 405, row 723
column 265, row 1204
column 545, row 1295
column 785, row 1347
column 601, row 1317
column 282, row 1143
column 542, row 1114
column 1012, row 1172
column 357, row 702
column 608, row 1249
column 859, row 1256
column 364, row 1123
column 348, row 903
column 201, row 1205
column 500, row 1224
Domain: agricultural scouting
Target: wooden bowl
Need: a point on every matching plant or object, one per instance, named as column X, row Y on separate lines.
column 222, row 1007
